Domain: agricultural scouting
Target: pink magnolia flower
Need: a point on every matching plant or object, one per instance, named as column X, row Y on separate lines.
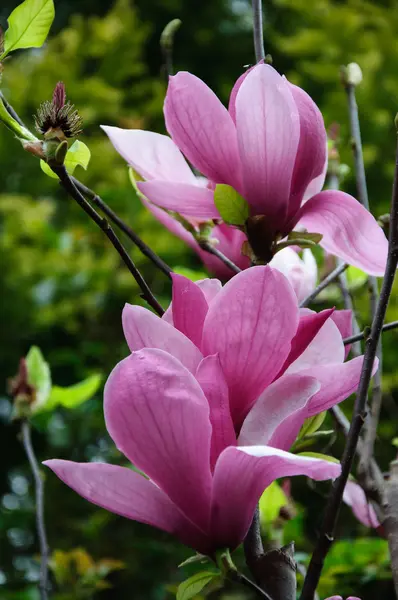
column 178, row 430
column 266, row 345
column 302, row 272
column 355, row 497
column 270, row 146
column 341, row 598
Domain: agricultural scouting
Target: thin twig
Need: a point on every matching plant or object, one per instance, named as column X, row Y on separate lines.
column 40, row 524
column 238, row 577
column 365, row 333
column 372, row 419
column 334, row 502
column 258, row 36
column 103, row 224
column 324, row 284
column 112, row 216
column 208, row 247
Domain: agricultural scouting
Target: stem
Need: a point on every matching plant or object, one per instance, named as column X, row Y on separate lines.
column 391, row 520
column 238, row 577
column 208, row 247
column 363, row 334
column 103, row 224
column 11, row 111
column 329, row 279
column 253, row 544
column 372, row 420
column 40, row 524
column 146, row 251
column 334, row 502
column 258, row 30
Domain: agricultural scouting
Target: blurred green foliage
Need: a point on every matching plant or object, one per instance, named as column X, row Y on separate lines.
column 63, row 287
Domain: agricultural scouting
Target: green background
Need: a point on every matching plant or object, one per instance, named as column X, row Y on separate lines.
column 62, row 287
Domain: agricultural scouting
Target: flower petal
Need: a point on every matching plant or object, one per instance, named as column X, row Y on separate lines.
column 126, row 493
column 268, row 127
column 189, row 308
column 235, row 90
column 203, row 129
column 355, row 497
column 241, row 476
column 158, row 416
column 349, row 230
column 250, row 325
column 229, row 242
column 312, row 149
column 152, row 155
column 143, row 329
column 301, row 272
column 343, row 321
column 171, row 224
column 188, row 200
column 210, row 289
column 213, row 384
column 280, row 400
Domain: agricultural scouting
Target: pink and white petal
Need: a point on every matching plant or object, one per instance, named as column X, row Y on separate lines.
column 124, row 492
column 309, row 339
column 302, row 273
column 203, row 129
column 152, row 155
column 189, row 308
column 158, row 416
column 144, row 329
column 312, row 149
column 355, row 497
column 268, row 127
column 210, row 288
column 349, row 230
column 241, row 476
column 212, row 381
column 343, row 320
column 229, row 241
column 338, row 382
column 280, row 400
column 250, row 324
column 183, row 198
column 171, row 224
column 316, row 185
column 235, row 90
column 326, row 346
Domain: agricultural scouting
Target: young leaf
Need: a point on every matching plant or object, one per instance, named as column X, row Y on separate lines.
column 28, row 25
column 78, row 155
column 311, row 425
column 74, row 395
column 191, row 587
column 271, row 502
column 13, row 125
column 39, row 377
column 321, row 456
column 232, row 207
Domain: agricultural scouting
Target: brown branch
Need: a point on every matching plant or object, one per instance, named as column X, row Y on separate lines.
column 363, row 335
column 391, row 520
column 324, row 284
column 334, row 502
column 258, row 36
column 208, row 247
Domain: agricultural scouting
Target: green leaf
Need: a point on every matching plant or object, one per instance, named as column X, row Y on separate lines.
column 202, row 558
column 321, row 456
column 300, row 238
column 271, row 502
column 13, row 125
column 191, row 587
column 74, row 395
column 311, row 425
column 28, row 25
column 355, row 278
column 78, row 155
column 232, row 207
column 190, row 273
column 39, row 377
column 134, row 177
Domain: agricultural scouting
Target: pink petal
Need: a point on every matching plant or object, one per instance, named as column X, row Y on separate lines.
column 355, row 497
column 230, row 241
column 280, row 400
column 268, row 128
column 241, row 476
column 343, row 320
column 171, row 224
column 312, row 149
column 188, row 200
column 126, row 493
column 301, row 272
column 310, row 339
column 349, row 230
column 316, row 185
column 209, row 288
column 213, row 384
column 189, row 308
column 234, row 93
column 324, row 345
column 250, row 325
column 143, row 329
column 158, row 416
column 203, row 129
column 152, row 155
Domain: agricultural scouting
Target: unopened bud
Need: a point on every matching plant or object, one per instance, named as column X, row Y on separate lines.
column 168, row 33
column 351, row 74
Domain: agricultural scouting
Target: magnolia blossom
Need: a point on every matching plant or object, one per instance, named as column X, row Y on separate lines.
column 270, row 146
column 341, row 598
column 177, row 429
column 355, row 497
column 302, row 272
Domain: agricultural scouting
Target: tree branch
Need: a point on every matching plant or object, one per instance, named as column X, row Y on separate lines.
column 258, row 30
column 328, row 280
column 391, row 520
column 208, row 247
column 103, row 224
column 365, row 333
column 40, row 524
column 238, row 577
column 334, row 502
column 253, row 544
